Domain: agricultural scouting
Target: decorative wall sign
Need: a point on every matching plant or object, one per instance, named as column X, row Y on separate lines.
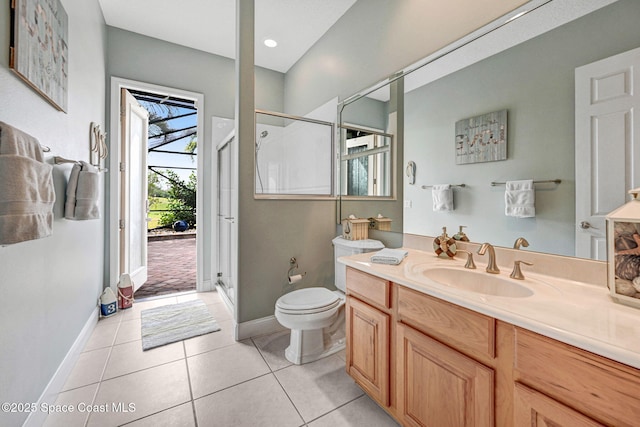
column 38, row 47
column 482, row 138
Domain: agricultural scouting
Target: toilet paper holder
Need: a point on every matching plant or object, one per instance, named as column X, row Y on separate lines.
column 293, row 278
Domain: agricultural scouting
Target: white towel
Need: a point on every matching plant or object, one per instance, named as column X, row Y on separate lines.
column 26, row 188
column 519, row 199
column 442, row 198
column 389, row 256
column 83, row 190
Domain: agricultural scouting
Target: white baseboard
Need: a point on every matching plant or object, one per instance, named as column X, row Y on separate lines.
column 50, row 393
column 253, row 328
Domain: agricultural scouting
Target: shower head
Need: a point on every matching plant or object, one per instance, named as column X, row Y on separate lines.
column 264, row 134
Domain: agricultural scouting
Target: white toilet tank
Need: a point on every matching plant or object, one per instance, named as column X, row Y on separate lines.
column 344, row 247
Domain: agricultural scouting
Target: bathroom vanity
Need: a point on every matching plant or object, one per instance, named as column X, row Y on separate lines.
column 434, row 349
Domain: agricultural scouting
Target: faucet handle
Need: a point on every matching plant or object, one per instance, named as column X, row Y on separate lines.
column 517, row 272
column 470, row 264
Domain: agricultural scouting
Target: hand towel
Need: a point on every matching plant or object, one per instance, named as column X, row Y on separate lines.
column 14, row 141
column 519, row 198
column 389, row 256
column 26, row 188
column 83, row 190
column 442, row 198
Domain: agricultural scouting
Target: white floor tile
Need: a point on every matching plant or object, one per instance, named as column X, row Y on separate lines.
column 211, row 297
column 219, row 311
column 225, row 367
column 318, row 387
column 102, row 336
column 361, row 412
column 75, row 400
column 129, row 357
column 130, row 330
column 272, row 348
column 232, row 382
column 256, row 403
column 180, row 416
column 88, row 369
column 150, row 391
column 203, row 343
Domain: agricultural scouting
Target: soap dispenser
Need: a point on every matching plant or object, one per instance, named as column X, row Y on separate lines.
column 444, row 246
column 460, row 235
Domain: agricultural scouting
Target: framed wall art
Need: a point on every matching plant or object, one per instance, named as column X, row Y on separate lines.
column 38, row 47
column 482, row 138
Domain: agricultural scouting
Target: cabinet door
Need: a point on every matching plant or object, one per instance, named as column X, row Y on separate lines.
column 439, row 386
column 368, row 349
column 537, row 410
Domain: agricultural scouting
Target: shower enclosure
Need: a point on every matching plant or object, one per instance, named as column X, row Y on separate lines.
column 227, row 196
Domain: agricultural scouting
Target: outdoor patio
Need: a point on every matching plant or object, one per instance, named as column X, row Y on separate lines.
column 172, row 265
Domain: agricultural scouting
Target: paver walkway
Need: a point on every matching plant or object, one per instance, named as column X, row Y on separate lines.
column 172, row 267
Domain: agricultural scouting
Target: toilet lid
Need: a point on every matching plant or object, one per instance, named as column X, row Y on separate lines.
column 308, row 301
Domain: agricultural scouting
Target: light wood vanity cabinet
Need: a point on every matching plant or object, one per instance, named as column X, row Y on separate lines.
column 600, row 388
column 438, row 386
column 368, row 348
column 368, row 323
column 429, row 362
column 532, row 408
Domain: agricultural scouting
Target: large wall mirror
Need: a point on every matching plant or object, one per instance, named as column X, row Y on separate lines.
column 370, row 147
column 526, row 67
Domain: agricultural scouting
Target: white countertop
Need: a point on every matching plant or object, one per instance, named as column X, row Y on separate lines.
column 576, row 313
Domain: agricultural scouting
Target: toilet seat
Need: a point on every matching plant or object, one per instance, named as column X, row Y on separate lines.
column 308, row 301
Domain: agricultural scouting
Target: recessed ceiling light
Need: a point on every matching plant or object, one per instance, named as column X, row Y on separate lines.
column 270, row 43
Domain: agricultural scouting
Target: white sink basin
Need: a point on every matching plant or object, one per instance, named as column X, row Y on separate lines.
column 477, row 281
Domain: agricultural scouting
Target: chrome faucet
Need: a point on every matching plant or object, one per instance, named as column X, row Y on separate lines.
column 492, row 267
column 520, row 241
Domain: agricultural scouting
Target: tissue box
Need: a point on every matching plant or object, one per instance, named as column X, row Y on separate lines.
column 355, row 228
column 381, row 223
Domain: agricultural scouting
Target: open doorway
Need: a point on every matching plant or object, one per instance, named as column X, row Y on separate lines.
column 172, row 193
column 170, row 166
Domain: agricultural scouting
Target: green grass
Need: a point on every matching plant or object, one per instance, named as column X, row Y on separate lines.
column 156, row 203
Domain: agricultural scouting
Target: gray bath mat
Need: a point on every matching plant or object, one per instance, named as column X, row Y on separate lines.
column 175, row 322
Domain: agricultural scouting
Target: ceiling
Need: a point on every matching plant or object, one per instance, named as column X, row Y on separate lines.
column 209, row 25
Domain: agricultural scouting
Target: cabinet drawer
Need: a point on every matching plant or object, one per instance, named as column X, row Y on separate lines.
column 535, row 409
column 598, row 387
column 369, row 288
column 456, row 326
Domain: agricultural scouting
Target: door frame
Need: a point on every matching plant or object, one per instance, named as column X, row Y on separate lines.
column 115, row 155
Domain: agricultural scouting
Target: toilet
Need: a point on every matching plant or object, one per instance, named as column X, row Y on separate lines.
column 316, row 315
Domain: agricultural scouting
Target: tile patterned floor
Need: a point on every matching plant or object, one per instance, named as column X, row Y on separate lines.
column 172, row 267
column 210, row 380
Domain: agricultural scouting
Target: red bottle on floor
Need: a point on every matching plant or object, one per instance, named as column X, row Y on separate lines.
column 125, row 291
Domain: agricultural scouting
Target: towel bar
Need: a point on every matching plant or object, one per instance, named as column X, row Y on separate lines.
column 424, row 187
column 59, row 160
column 555, row 181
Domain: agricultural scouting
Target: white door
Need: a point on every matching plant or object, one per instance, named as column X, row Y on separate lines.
column 607, row 145
column 226, row 217
column 134, row 205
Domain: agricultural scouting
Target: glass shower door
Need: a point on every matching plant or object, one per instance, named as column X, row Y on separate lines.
column 226, row 218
